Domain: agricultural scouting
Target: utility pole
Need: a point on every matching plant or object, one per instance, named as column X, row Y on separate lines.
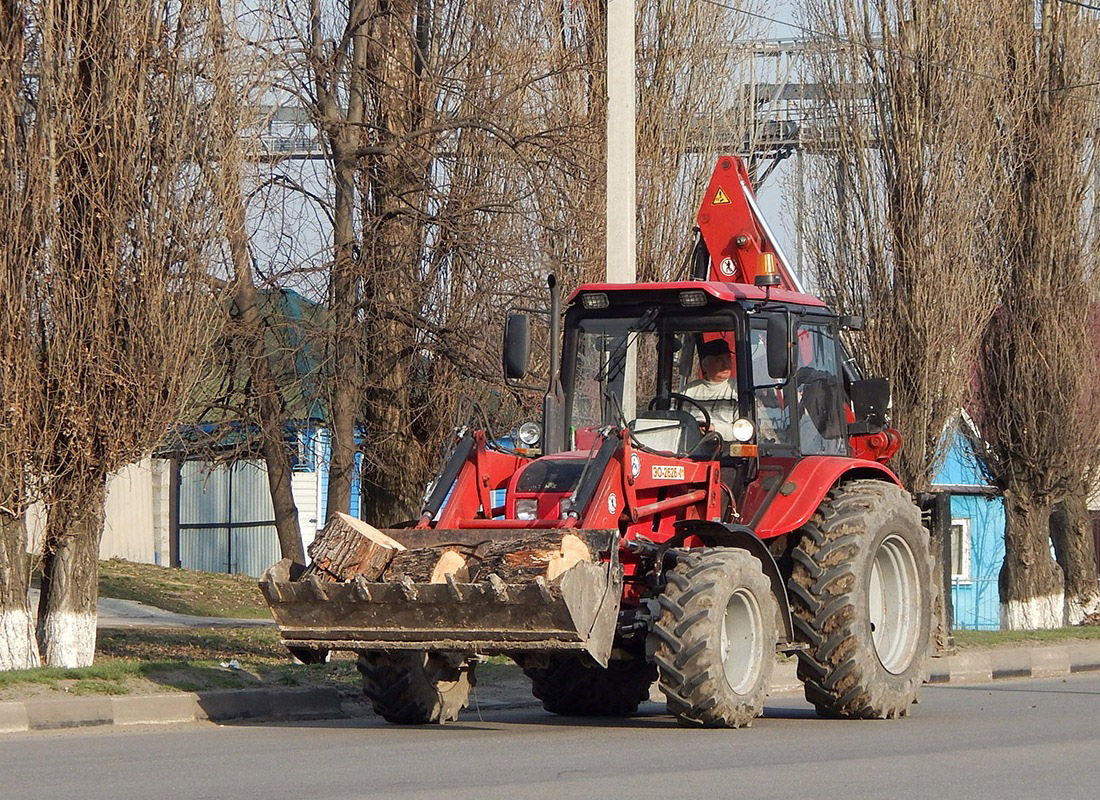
column 621, row 244
column 621, row 182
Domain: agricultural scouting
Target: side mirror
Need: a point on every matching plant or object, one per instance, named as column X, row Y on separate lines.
column 517, row 346
column 779, row 346
column 851, row 322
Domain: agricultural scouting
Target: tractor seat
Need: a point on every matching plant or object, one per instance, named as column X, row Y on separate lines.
column 672, row 431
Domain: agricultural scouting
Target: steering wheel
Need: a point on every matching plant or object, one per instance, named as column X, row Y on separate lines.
column 691, row 401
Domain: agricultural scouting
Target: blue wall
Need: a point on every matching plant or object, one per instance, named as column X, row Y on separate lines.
column 976, row 603
column 322, row 501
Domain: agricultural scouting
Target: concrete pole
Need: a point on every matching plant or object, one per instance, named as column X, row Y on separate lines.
column 621, row 244
column 622, row 199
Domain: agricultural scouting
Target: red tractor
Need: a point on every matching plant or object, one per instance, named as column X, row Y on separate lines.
column 658, row 533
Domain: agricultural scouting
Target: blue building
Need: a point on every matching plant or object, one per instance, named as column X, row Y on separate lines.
column 977, row 537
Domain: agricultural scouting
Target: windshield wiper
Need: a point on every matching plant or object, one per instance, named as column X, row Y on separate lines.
column 617, row 360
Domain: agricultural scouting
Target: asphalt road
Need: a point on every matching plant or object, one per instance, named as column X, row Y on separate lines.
column 1011, row 739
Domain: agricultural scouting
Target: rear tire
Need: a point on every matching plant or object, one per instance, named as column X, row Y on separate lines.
column 573, row 687
column 861, row 600
column 714, row 642
column 415, row 688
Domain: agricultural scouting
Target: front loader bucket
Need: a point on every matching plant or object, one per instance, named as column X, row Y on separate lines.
column 578, row 611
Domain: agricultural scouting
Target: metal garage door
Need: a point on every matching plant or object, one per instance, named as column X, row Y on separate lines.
column 226, row 521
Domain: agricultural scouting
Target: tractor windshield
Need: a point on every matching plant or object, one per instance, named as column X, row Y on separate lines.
column 623, row 368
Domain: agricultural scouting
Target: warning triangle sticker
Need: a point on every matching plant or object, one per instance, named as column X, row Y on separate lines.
column 721, row 198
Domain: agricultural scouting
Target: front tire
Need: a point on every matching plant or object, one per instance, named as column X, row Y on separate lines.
column 415, row 688
column 572, row 687
column 714, row 642
column 861, row 600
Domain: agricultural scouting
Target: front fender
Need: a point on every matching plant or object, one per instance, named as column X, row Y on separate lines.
column 719, row 534
column 806, row 485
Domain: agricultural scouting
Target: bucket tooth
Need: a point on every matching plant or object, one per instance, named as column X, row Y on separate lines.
column 498, row 587
column 453, row 587
column 318, row 588
column 362, row 588
column 544, row 590
column 408, row 589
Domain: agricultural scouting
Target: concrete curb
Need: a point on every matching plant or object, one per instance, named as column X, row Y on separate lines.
column 1049, row 661
column 970, row 666
column 161, row 709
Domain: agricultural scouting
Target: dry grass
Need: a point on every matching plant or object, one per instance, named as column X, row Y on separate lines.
column 183, row 591
column 970, row 640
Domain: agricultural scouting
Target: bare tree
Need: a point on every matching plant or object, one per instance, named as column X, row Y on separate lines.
column 900, row 190
column 18, row 366
column 1038, row 405
column 453, row 136
column 121, row 233
column 690, row 104
column 899, row 197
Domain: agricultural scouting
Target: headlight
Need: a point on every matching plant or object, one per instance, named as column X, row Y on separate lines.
column 527, row 508
column 530, row 433
column 743, row 430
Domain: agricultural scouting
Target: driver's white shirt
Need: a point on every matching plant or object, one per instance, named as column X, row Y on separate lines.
column 719, row 398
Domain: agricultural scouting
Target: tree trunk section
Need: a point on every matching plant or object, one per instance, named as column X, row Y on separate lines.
column 349, row 548
column 524, row 559
column 70, row 588
column 1031, row 584
column 1075, row 550
column 18, row 646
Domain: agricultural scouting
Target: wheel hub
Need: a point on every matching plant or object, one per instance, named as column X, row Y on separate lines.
column 741, row 641
column 893, row 597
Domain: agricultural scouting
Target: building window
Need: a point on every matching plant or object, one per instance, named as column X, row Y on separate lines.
column 960, row 549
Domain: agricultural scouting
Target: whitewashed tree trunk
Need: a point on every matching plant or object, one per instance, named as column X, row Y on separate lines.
column 18, row 649
column 70, row 590
column 1031, row 583
column 1034, row 613
column 1071, row 532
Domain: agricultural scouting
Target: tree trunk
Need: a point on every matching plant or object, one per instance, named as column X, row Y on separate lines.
column 1075, row 549
column 70, row 587
column 1030, row 582
column 347, row 380
column 264, row 389
column 939, row 534
column 18, row 648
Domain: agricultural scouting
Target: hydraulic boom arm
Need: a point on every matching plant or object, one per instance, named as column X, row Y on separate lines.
column 734, row 231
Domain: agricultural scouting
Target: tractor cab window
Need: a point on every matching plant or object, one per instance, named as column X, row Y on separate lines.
column 821, row 422
column 772, row 410
column 606, row 353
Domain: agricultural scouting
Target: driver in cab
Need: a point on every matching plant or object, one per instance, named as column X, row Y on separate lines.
column 716, row 390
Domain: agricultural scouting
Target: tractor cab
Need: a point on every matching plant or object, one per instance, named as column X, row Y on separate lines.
column 632, row 360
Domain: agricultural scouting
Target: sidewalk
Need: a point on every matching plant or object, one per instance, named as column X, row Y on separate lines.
column 114, row 614
column 970, row 666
